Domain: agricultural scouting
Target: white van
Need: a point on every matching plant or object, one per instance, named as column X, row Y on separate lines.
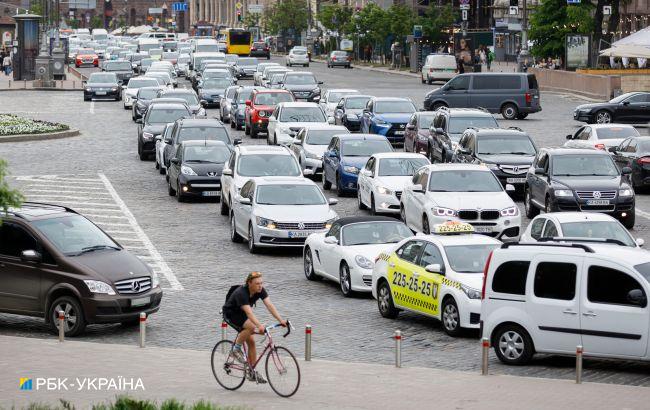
column 552, row 298
column 206, row 46
column 100, row 35
column 146, row 44
column 439, row 67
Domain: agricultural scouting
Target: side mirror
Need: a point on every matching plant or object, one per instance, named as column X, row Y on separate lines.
column 410, row 127
column 331, row 240
column 320, row 82
column 626, row 103
column 636, row 296
column 510, row 188
column 330, row 120
column 243, row 201
column 626, row 171
column 296, row 141
column 434, row 268
column 158, row 138
column 307, row 172
column 30, row 255
column 249, row 103
column 124, row 86
column 174, row 161
column 438, row 131
column 366, row 172
column 418, row 188
column 227, row 171
column 168, row 140
column 612, row 149
column 569, row 137
column 539, row 171
column 331, row 154
column 138, row 121
column 332, row 201
column 316, row 99
column 237, row 141
column 639, row 241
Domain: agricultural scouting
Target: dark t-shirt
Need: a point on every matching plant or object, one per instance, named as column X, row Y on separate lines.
column 241, row 297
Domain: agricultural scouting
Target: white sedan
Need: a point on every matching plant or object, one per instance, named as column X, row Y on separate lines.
column 311, row 143
column 289, row 117
column 383, row 179
column 297, row 55
column 347, row 252
column 160, row 147
column 130, row 92
column 332, row 97
column 600, row 136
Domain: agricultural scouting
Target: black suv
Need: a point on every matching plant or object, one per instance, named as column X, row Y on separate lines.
column 568, row 179
column 448, row 126
column 53, row 259
column 507, row 152
column 302, row 85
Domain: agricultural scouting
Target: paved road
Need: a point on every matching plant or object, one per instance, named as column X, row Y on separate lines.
column 100, row 174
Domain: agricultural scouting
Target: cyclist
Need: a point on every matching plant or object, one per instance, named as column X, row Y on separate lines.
column 237, row 312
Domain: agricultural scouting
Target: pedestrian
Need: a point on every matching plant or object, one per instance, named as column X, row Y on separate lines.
column 481, row 55
column 6, row 64
column 490, row 58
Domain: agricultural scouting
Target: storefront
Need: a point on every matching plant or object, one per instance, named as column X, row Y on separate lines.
column 507, row 40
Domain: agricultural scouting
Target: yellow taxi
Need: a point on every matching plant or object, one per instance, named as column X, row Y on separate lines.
column 438, row 275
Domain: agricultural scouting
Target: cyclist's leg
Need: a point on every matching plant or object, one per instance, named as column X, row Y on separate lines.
column 246, row 335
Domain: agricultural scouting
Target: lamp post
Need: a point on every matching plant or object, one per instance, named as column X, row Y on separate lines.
column 523, row 52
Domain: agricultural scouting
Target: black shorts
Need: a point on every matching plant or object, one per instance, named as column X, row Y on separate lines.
column 235, row 319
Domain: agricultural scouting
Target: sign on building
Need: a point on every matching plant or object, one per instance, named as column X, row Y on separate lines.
column 82, row 4
column 513, row 10
column 155, row 10
column 347, row 45
column 179, row 6
column 464, row 4
column 256, row 8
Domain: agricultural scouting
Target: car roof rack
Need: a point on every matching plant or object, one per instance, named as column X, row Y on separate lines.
column 579, row 239
column 559, row 245
column 51, row 206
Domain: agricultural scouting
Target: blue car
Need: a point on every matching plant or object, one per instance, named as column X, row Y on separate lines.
column 387, row 116
column 346, row 155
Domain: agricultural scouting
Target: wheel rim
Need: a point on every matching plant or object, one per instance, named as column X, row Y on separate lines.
column 603, row 118
column 511, row 345
column 69, row 316
column 450, row 317
column 308, row 264
column 228, row 372
column 345, row 279
column 509, row 111
column 251, row 238
column 383, row 299
column 232, row 227
column 282, row 372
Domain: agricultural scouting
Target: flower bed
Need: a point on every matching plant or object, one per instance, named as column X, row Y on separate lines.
column 14, row 125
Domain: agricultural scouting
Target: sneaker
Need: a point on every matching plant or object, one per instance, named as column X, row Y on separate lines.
column 255, row 376
column 238, row 354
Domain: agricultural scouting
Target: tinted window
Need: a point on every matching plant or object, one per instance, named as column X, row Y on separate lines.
column 142, row 82
column 206, row 153
column 514, row 145
column 382, row 107
column 430, row 256
column 302, row 114
column 510, row 277
column 357, row 103
column 216, row 83
column 190, row 98
column 400, row 166
column 459, row 83
column 611, row 286
column 550, row 230
column 617, row 132
column 638, row 98
column 102, row 78
column 300, row 79
column 289, row 195
column 536, row 228
column 410, row 251
column 485, row 82
column 532, row 82
column 598, row 229
column 14, row 239
column 424, row 122
column 458, row 125
column 165, row 115
column 147, row 94
column 321, row 137
column 372, row 233
column 118, row 66
column 73, row 234
column 468, row 258
column 509, row 82
column 463, row 181
column 256, row 165
column 364, row 148
column 272, row 98
column 203, row 133
column 584, row 165
column 555, row 280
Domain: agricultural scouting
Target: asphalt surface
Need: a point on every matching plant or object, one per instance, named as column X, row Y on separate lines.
column 100, row 174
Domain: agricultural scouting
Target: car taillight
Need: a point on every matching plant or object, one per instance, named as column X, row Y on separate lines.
column 252, row 48
column 431, row 70
column 266, row 49
column 529, row 98
column 643, row 161
column 485, row 272
column 600, row 146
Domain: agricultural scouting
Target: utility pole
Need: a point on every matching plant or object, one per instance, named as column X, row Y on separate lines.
column 523, row 53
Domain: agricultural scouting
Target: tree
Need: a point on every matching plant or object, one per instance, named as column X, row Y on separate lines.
column 435, row 20
column 96, row 22
column 287, row 15
column 553, row 20
column 336, row 17
column 401, row 20
column 252, row 20
column 9, row 198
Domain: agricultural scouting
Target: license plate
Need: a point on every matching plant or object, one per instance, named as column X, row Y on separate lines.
column 597, row 201
column 399, row 132
column 140, row 301
column 483, row 229
column 300, row 234
column 210, row 193
column 515, row 180
column 100, row 92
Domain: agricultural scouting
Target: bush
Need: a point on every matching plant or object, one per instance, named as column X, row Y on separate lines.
column 14, row 125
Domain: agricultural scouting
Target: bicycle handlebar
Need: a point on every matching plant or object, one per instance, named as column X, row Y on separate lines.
column 289, row 327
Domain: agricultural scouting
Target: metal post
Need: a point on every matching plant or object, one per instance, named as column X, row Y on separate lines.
column 143, row 328
column 308, row 343
column 61, row 326
column 579, row 352
column 224, row 328
column 398, row 348
column 485, row 344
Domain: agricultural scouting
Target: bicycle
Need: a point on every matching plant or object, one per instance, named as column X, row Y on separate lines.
column 281, row 366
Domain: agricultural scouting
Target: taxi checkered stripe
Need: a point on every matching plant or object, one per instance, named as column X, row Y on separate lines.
column 383, row 257
column 451, row 283
column 406, row 299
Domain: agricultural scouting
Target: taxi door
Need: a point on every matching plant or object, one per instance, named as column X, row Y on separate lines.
column 429, row 283
column 405, row 276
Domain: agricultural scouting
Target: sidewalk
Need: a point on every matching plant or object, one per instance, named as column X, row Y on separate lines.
column 72, row 83
column 186, row 375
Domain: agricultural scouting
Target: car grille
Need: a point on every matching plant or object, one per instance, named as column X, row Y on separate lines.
column 367, row 280
column 301, row 93
column 468, row 214
column 132, row 286
column 492, row 214
column 471, row 214
column 295, row 225
column 514, row 169
column 398, row 194
column 282, row 241
column 596, row 194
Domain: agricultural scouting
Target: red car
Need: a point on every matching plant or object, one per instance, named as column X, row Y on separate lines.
column 416, row 136
column 260, row 107
column 86, row 56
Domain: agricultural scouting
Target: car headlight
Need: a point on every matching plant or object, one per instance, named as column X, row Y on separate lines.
column 563, row 192
column 265, row 223
column 625, row 192
column 511, row 211
column 262, row 114
column 311, row 155
column 351, row 170
column 316, row 91
column 384, row 191
column 114, row 89
column 491, row 166
column 155, row 280
column 96, row 286
column 328, row 223
column 470, row 292
column 440, row 211
column 147, row 136
column 185, row 170
column 363, row 262
column 379, row 121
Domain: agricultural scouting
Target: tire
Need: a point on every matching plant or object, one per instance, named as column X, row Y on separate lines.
column 306, row 65
column 339, row 189
column 234, row 236
column 531, row 210
column 74, row 322
column 308, row 265
column 232, row 123
column 628, row 222
column 157, row 165
column 548, row 206
column 423, row 80
column 450, row 317
column 402, row 213
column 522, row 116
column 327, row 185
column 437, row 105
column 162, row 170
column 253, row 133
column 222, row 362
column 125, row 107
column 360, row 204
column 513, row 345
column 426, row 229
column 171, row 191
column 252, row 248
column 289, row 369
column 141, row 154
column 385, row 301
column 373, row 207
column 345, row 281
column 223, row 209
column 509, row 111
column 247, row 131
column 603, row 117
column 179, row 195
column 429, row 81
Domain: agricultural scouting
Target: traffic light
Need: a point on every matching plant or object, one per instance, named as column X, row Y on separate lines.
column 238, row 15
column 514, row 3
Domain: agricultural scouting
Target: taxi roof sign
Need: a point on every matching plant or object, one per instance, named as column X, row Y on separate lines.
column 453, row 227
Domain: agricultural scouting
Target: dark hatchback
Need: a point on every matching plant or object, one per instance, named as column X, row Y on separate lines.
column 122, row 69
column 102, row 86
column 196, row 169
column 569, row 179
column 634, row 153
column 154, row 123
column 260, row 49
column 142, row 101
column 53, row 259
column 302, row 85
column 631, row 108
column 349, row 110
column 212, row 90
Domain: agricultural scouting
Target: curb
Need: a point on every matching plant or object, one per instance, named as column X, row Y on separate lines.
column 375, row 69
column 40, row 137
column 39, row 89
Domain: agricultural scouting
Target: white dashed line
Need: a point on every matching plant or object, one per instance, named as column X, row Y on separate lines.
column 92, row 107
column 644, row 214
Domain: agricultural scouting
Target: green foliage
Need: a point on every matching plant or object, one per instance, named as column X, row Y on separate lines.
column 36, row 7
column 374, row 22
column 252, row 20
column 288, row 14
column 553, row 20
column 437, row 19
column 336, row 17
column 96, row 22
column 401, row 19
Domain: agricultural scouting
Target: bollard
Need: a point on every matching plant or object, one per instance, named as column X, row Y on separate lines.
column 398, row 348
column 485, row 344
column 308, row 343
column 143, row 328
column 61, row 326
column 579, row 352
column 224, row 328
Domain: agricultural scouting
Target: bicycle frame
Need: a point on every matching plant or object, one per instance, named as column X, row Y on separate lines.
column 269, row 347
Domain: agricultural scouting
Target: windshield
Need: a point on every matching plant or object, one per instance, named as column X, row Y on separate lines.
column 458, row 125
column 148, row 94
column 216, row 74
column 322, row 137
column 356, row 103
column 272, row 98
column 399, row 167
column 206, row 153
column 300, row 79
column 515, row 145
column 386, row 107
column 289, row 195
column 374, row 233
column 182, row 60
column 146, row 62
column 142, row 82
column 363, row 148
column 155, row 52
column 464, row 181
column 425, row 120
column 219, row 83
column 170, row 55
column 302, row 114
column 244, row 94
column 257, row 165
column 262, row 67
column 247, row 61
column 599, row 229
column 190, row 98
column 583, row 165
column 207, row 48
column 203, row 133
column 165, row 115
column 102, row 78
column 616, row 132
column 335, row 97
column 74, row 234
column 339, row 53
column 468, row 258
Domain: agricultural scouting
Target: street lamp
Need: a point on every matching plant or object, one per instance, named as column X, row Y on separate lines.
column 523, row 52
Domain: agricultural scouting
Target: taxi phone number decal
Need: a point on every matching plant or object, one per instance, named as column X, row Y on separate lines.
column 411, row 283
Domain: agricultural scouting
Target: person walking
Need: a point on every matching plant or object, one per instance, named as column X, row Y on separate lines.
column 6, row 64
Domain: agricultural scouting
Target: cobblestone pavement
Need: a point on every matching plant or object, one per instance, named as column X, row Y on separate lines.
column 191, row 240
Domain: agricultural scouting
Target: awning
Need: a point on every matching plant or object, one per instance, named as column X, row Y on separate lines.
column 632, row 51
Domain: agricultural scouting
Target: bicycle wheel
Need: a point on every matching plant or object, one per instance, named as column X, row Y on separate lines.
column 230, row 374
column 282, row 371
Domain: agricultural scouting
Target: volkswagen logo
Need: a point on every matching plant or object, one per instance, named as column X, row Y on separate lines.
column 596, row 194
column 301, row 225
column 402, row 126
column 135, row 286
column 212, row 174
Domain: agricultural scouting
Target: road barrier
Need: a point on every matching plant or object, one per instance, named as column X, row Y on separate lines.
column 579, row 352
column 224, row 328
column 398, row 348
column 61, row 326
column 485, row 347
column 143, row 328
column 308, row 343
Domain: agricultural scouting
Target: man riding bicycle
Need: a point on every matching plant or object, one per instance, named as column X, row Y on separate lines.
column 238, row 313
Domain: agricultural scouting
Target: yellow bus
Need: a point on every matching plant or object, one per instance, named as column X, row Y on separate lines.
column 238, row 41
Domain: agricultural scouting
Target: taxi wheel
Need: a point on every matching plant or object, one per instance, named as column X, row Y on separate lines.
column 308, row 264
column 451, row 317
column 385, row 301
column 513, row 345
column 345, row 281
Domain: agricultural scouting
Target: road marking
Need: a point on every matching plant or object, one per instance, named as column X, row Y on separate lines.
column 644, row 214
column 92, row 106
column 95, row 196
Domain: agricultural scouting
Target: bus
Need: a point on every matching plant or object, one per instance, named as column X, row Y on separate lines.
column 238, row 41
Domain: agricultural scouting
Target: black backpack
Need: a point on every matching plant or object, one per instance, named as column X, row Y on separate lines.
column 232, row 289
